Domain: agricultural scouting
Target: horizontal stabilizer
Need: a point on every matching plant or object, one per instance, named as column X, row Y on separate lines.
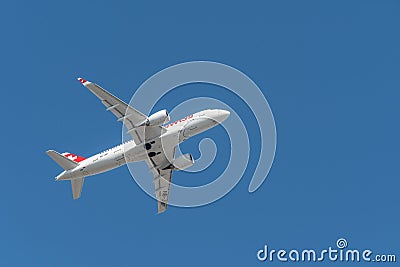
column 76, row 185
column 61, row 160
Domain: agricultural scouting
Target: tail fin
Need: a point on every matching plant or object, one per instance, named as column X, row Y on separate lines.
column 65, row 162
column 73, row 157
column 69, row 161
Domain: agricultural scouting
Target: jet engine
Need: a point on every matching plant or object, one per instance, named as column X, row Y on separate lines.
column 158, row 118
column 183, row 162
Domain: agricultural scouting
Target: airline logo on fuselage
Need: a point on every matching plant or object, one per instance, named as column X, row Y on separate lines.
column 179, row 121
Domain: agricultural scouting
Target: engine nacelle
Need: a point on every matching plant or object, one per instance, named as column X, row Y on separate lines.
column 158, row 118
column 183, row 162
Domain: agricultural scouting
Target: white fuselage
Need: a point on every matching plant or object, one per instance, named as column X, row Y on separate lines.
column 175, row 133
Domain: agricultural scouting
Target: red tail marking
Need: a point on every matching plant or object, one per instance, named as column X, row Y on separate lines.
column 73, row 157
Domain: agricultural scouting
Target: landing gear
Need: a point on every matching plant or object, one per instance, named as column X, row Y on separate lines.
column 152, row 154
column 148, row 145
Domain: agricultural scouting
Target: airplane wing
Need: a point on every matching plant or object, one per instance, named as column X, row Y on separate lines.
column 162, row 175
column 125, row 113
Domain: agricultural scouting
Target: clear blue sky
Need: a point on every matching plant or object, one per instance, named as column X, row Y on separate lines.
column 329, row 69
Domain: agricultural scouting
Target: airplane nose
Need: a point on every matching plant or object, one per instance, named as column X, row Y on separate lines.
column 222, row 115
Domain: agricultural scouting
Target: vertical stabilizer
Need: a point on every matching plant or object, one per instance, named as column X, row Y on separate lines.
column 61, row 160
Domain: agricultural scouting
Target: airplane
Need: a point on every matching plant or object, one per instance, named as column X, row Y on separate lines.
column 154, row 140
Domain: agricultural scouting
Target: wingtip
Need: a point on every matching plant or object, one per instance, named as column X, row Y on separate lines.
column 83, row 81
